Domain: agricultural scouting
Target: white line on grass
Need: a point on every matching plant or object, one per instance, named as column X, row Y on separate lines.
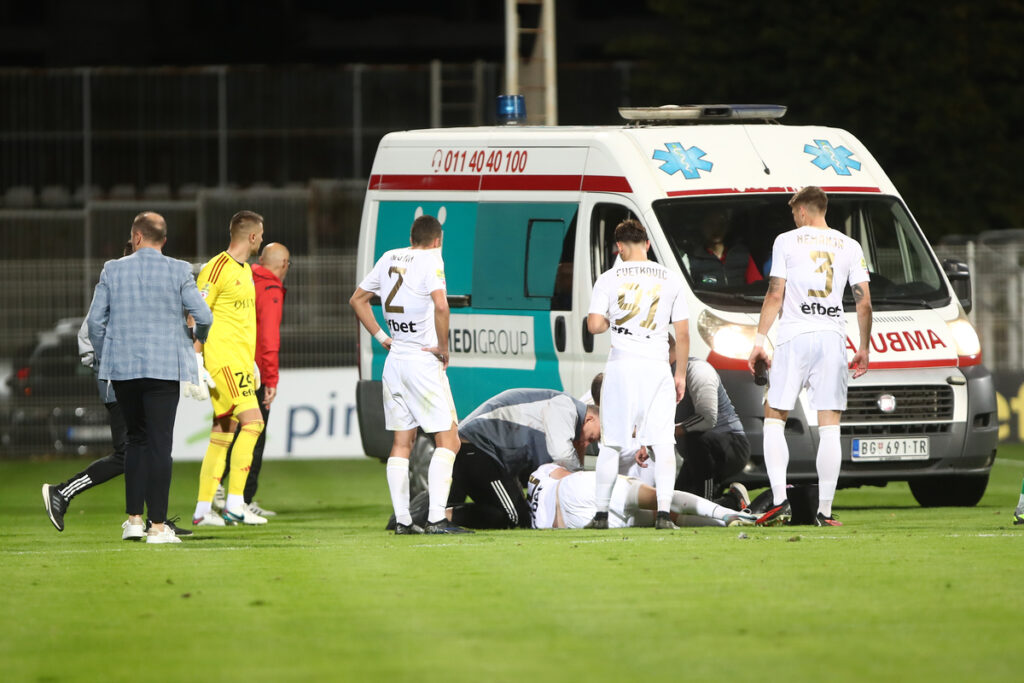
column 115, row 550
column 1008, row 461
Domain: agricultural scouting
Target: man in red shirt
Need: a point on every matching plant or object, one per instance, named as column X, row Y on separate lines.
column 268, row 276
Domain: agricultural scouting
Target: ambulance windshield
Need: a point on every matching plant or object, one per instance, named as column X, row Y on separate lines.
column 724, row 246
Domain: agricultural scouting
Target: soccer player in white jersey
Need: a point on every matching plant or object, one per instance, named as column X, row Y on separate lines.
column 637, row 299
column 561, row 499
column 411, row 285
column 810, row 268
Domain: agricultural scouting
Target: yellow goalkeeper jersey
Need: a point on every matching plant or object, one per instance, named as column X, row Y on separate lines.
column 227, row 286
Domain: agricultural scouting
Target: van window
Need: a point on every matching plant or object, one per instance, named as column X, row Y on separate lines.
column 517, row 253
column 603, row 219
column 724, row 247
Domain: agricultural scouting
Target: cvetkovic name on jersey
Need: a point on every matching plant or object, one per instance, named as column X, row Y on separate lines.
column 634, row 271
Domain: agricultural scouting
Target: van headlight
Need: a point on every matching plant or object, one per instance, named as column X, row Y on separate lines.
column 727, row 339
column 968, row 345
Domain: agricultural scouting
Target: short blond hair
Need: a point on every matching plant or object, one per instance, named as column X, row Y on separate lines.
column 812, row 197
column 243, row 223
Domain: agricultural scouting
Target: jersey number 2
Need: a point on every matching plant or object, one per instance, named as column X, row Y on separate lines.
column 400, row 272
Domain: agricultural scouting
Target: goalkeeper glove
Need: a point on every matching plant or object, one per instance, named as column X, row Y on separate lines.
column 201, row 391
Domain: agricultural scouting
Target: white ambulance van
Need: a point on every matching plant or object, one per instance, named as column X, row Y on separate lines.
column 529, row 215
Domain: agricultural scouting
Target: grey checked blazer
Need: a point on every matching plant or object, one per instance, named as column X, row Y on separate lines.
column 137, row 318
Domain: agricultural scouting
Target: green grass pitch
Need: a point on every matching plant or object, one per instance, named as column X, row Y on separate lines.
column 323, row 593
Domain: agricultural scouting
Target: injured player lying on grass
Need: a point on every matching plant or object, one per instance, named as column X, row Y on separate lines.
column 562, row 499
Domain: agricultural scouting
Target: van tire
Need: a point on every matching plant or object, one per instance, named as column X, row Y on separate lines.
column 958, row 490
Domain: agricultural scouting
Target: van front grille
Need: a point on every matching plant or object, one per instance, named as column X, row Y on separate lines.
column 913, row 404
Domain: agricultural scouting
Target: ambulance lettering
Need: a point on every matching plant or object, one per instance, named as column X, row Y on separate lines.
column 899, row 342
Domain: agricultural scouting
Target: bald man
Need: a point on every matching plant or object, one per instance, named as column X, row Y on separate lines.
column 268, row 277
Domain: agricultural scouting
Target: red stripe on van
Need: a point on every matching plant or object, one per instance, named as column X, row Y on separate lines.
column 549, row 183
column 898, row 364
column 605, row 183
column 764, row 190
column 720, row 362
column 425, row 182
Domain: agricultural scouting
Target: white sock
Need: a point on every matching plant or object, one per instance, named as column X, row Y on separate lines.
column 830, row 459
column 664, row 474
column 776, row 457
column 398, row 485
column 1020, row 503
column 202, row 507
column 684, row 503
column 234, row 501
column 439, row 482
column 607, row 470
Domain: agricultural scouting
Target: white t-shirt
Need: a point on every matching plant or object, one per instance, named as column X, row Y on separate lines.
column 640, row 299
column 541, row 495
column 816, row 264
column 404, row 279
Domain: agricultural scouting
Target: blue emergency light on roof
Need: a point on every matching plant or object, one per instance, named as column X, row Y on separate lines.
column 511, row 109
column 703, row 112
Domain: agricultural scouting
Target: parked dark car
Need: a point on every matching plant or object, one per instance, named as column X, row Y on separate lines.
column 53, row 404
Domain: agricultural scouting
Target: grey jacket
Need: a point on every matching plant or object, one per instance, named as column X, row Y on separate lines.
column 137, row 318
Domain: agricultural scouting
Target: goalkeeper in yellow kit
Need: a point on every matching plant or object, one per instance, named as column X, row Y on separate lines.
column 226, row 284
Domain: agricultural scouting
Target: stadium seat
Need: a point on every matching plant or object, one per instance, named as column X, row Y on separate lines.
column 122, row 191
column 20, row 197
column 157, row 191
column 94, row 192
column 55, row 197
column 189, row 190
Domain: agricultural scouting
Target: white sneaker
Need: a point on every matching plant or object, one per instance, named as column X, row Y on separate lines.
column 243, row 515
column 255, row 509
column 132, row 532
column 220, row 499
column 165, row 536
column 209, row 519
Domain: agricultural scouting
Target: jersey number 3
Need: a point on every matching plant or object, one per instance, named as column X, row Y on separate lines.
column 400, row 272
column 631, row 290
column 824, row 267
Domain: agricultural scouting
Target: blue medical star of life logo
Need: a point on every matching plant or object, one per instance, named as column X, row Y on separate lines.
column 690, row 162
column 838, row 158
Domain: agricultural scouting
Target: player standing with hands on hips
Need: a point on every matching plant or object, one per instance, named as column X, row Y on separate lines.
column 810, row 268
column 637, row 299
column 410, row 282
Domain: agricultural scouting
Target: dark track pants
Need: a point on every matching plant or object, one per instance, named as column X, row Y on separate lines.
column 105, row 468
column 149, row 407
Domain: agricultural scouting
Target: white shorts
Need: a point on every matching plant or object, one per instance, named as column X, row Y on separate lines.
column 416, row 394
column 637, row 396
column 577, row 494
column 815, row 360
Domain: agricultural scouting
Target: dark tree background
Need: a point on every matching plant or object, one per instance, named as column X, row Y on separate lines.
column 934, row 89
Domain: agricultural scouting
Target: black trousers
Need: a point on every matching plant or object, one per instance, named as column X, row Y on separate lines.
column 252, row 481
column 497, row 494
column 106, row 468
column 709, row 460
column 149, row 407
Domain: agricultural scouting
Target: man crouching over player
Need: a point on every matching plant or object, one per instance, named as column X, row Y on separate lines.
column 411, row 284
column 560, row 499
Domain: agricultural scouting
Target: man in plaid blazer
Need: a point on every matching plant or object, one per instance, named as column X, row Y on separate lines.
column 143, row 347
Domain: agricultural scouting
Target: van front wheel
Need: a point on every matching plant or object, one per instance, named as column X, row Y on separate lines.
column 959, row 490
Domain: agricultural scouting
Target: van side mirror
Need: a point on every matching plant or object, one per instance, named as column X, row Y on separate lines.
column 960, row 277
